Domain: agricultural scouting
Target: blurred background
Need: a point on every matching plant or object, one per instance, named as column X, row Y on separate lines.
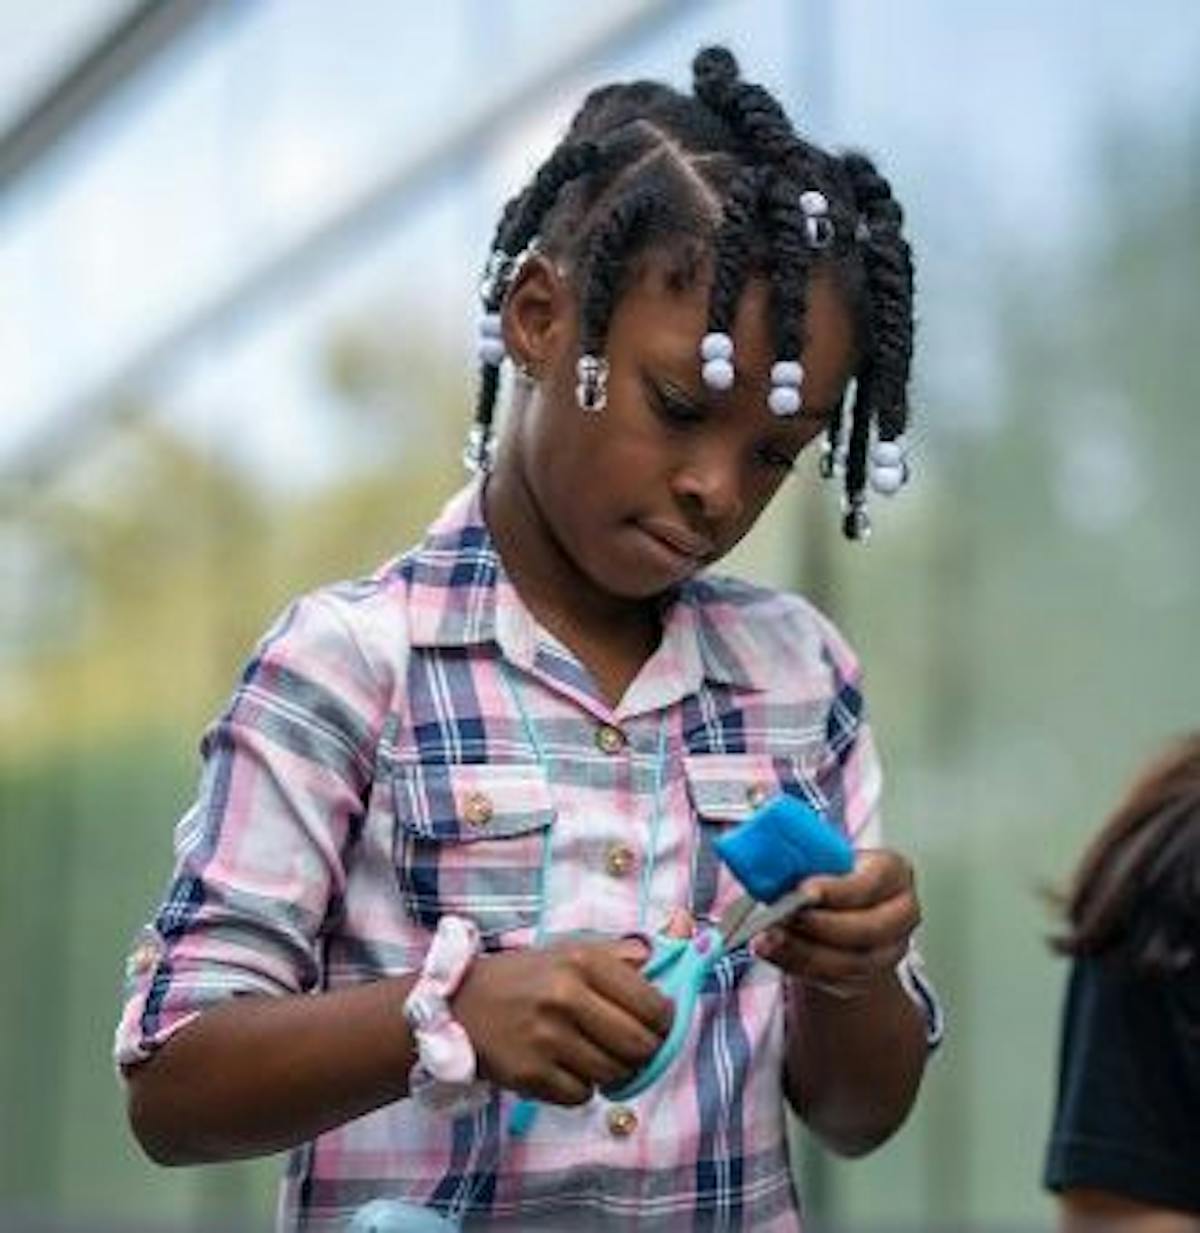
column 239, row 244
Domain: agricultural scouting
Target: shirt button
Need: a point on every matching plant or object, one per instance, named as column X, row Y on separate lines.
column 477, row 809
column 609, row 740
column 618, row 860
column 756, row 795
column 622, row 1121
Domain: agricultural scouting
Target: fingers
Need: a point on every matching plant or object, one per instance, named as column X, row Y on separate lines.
column 557, row 1085
column 621, row 1035
column 555, row 1023
column 594, row 1065
column 839, row 971
column 863, row 929
column 627, row 990
column 878, row 874
column 857, row 928
column 621, row 1018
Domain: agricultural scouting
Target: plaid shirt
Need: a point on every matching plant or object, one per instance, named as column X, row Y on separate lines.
column 375, row 770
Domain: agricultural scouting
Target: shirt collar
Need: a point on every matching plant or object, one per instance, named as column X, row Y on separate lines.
column 725, row 633
column 459, row 595
column 457, row 584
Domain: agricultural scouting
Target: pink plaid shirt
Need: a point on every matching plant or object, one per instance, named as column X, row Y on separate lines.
column 376, row 768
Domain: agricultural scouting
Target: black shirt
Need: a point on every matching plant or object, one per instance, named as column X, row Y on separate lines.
column 1127, row 1119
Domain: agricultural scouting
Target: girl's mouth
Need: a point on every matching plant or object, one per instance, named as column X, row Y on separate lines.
column 683, row 547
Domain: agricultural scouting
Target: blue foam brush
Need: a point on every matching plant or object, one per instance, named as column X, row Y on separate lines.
column 779, row 845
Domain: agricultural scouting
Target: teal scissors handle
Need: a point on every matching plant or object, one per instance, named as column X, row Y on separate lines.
column 678, row 968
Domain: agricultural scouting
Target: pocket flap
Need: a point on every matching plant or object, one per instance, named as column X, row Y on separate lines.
column 466, row 803
column 730, row 787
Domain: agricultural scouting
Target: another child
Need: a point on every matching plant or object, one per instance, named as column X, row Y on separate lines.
column 1124, row 1152
column 523, row 736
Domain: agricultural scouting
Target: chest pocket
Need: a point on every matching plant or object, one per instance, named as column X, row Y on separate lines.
column 725, row 789
column 469, row 841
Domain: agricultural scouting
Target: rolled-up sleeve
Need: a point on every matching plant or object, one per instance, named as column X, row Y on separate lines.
column 260, row 855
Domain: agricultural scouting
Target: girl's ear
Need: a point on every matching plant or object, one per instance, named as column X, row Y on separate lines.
column 538, row 314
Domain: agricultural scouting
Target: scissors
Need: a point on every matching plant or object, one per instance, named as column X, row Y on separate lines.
column 772, row 852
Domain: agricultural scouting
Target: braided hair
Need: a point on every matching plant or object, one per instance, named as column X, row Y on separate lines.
column 720, row 175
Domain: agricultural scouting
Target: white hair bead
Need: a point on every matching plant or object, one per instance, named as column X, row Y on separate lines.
column 787, row 372
column 784, row 400
column 887, row 480
column 717, row 374
column 491, row 351
column 813, row 202
column 716, row 346
column 489, row 325
column 887, row 453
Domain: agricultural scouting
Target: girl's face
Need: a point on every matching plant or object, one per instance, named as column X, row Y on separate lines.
column 670, row 475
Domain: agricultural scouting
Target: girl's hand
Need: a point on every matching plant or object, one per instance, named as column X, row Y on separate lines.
column 556, row 1022
column 856, row 930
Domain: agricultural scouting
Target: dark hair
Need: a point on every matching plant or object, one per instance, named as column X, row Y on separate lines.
column 716, row 177
column 1136, row 892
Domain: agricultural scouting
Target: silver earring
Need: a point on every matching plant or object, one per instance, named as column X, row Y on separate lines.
column 591, row 390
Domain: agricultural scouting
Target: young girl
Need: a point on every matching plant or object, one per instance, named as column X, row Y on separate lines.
column 448, row 803
column 1124, row 1152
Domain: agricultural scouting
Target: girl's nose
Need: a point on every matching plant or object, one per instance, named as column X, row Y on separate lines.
column 713, row 485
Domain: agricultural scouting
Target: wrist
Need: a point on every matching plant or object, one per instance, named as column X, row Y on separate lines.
column 845, row 994
column 904, row 985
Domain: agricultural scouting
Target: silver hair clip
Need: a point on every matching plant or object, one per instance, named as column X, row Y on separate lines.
column 856, row 522
column 591, row 391
column 496, row 274
column 480, row 450
column 832, row 462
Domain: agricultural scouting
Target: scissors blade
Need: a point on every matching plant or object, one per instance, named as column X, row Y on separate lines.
column 734, row 915
column 751, row 917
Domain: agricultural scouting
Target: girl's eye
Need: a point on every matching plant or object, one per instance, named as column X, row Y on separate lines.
column 777, row 459
column 675, row 410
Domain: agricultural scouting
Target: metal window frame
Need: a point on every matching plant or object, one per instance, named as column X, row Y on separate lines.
column 124, row 50
column 75, row 424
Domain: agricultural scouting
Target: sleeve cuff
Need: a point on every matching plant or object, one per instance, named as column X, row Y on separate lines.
column 911, row 973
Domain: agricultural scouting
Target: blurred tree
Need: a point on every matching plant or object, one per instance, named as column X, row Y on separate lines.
column 1029, row 634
